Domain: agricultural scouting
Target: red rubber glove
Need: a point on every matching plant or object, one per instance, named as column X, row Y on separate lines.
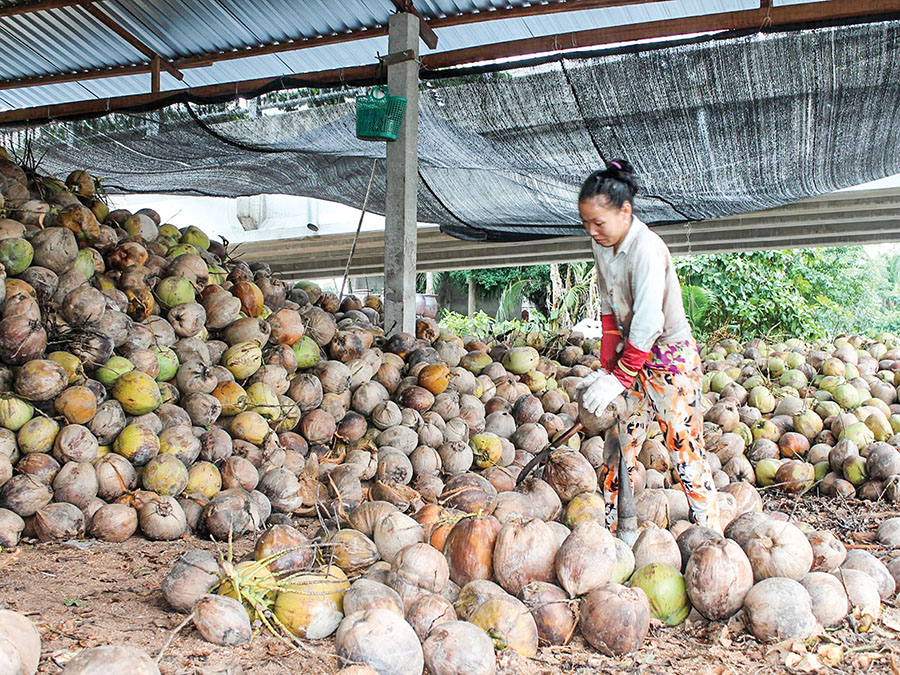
column 630, row 364
column 610, row 342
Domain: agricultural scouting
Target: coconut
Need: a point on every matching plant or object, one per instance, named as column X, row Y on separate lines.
column 111, row 659
column 828, row 551
column 11, row 526
column 614, row 619
column 365, row 594
column 222, row 620
column 394, row 532
column 58, row 522
column 192, row 576
column 665, row 590
column 509, row 624
column 717, row 577
column 24, row 639
column 655, row 545
column 586, row 559
column 779, row 609
column 458, row 648
column 162, row 519
column 862, row 591
column 24, row 495
column 469, row 549
column 778, row 549
column 864, row 561
column 524, row 553
column 828, row 598
column 310, row 605
column 380, row 639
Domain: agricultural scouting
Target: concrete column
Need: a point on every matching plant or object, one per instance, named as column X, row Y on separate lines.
column 402, row 183
column 471, row 297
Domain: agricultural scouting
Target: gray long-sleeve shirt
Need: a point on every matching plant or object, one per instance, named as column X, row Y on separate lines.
column 639, row 286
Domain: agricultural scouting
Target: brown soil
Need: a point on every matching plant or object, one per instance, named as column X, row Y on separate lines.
column 87, row 593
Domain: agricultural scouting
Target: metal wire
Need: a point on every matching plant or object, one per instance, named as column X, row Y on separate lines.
column 358, row 229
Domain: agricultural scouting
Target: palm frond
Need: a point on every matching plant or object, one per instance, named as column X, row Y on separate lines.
column 697, row 304
column 512, row 295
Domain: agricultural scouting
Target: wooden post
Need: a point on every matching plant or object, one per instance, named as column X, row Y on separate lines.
column 154, row 74
column 402, row 181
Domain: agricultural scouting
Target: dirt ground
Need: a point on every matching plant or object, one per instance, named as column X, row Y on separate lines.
column 87, row 593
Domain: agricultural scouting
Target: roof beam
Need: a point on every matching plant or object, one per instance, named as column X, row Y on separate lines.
column 426, row 33
column 784, row 15
column 37, row 6
column 156, row 60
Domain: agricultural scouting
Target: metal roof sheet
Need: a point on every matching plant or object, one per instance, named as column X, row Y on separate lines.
column 69, row 39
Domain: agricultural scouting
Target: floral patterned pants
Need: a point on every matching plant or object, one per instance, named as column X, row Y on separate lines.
column 670, row 394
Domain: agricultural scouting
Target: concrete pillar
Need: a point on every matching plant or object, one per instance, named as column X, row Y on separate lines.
column 471, row 297
column 402, row 182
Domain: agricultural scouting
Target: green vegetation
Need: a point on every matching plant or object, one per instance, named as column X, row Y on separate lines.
column 805, row 293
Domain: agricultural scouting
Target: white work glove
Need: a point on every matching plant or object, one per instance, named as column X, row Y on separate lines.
column 600, row 392
column 588, row 380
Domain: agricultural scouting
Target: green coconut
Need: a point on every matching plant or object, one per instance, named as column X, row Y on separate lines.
column 664, row 586
column 520, row 360
column 195, row 237
column 761, row 399
column 168, row 363
column 137, row 393
column 110, row 371
column 307, row 352
column 859, row 433
column 846, row 396
column 174, row 291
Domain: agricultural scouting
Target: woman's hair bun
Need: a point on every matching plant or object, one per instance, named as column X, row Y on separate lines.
column 621, row 166
column 616, row 183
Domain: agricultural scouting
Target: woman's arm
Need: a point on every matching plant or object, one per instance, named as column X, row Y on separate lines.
column 648, row 284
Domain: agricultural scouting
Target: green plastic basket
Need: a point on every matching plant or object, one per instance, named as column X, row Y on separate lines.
column 379, row 115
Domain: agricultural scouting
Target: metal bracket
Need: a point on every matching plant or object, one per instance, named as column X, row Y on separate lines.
column 398, row 57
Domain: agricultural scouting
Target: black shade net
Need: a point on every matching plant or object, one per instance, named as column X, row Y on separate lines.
column 714, row 128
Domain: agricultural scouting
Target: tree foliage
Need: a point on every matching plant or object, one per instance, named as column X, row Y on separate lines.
column 805, row 293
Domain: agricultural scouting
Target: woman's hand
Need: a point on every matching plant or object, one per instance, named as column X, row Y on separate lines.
column 598, row 390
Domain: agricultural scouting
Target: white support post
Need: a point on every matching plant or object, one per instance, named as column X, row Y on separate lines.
column 471, row 303
column 402, row 182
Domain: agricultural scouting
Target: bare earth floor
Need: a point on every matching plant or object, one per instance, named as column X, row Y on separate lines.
column 88, row 593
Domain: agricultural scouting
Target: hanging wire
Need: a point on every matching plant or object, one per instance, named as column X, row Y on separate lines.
column 358, row 229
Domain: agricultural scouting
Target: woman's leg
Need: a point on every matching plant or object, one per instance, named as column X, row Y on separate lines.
column 675, row 398
column 632, row 430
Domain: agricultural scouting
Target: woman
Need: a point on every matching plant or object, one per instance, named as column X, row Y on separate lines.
column 647, row 352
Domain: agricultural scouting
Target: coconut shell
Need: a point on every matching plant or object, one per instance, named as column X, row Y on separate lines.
column 382, row 640
column 192, row 577
column 828, row 598
column 458, row 648
column 509, row 623
column 553, row 613
column 778, row 609
column 222, row 621
column 717, row 577
column 24, row 638
column 615, row 620
column 111, row 659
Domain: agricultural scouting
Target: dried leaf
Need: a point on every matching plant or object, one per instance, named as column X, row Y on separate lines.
column 831, row 654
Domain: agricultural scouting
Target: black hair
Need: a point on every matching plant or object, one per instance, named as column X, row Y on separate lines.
column 616, row 182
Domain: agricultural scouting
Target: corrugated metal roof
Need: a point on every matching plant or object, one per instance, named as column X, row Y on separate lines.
column 69, row 39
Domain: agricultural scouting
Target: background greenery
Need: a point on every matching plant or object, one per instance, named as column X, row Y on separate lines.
column 806, row 293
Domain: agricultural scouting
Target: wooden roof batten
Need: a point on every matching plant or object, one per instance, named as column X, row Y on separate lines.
column 785, row 15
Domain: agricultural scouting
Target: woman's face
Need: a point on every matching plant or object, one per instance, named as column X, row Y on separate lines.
column 606, row 224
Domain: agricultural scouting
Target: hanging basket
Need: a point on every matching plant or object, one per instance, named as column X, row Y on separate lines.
column 379, row 115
